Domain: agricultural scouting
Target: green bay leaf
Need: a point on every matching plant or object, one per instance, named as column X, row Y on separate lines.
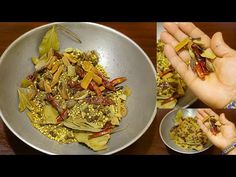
column 50, row 40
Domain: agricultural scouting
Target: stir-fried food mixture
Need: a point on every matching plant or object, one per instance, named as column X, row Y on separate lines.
column 201, row 58
column 170, row 86
column 213, row 124
column 70, row 98
column 187, row 134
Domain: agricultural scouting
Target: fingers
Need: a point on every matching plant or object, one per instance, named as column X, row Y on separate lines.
column 179, row 65
column 169, row 39
column 207, row 112
column 202, row 113
column 182, row 30
column 211, row 113
column 191, row 30
column 177, row 32
column 223, row 120
column 174, row 30
column 204, row 129
column 199, row 116
column 219, row 47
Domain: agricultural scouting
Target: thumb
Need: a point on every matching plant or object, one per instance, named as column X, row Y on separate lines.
column 219, row 47
column 223, row 119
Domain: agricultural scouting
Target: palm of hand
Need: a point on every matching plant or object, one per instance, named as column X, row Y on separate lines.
column 227, row 134
column 225, row 137
column 219, row 85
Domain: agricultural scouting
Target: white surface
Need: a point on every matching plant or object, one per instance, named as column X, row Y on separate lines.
column 159, row 29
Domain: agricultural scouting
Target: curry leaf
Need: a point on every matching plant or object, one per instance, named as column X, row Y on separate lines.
column 50, row 40
column 96, row 144
column 24, row 101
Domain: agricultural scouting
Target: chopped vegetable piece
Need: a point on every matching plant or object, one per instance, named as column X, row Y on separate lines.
column 102, row 88
column 65, row 61
column 81, row 95
column 70, row 58
column 87, row 66
column 50, row 114
column 192, row 55
column 127, row 91
column 166, row 105
column 47, row 87
column 198, row 42
column 208, row 54
column 71, row 70
column 42, row 63
column 56, row 76
column 51, row 62
column 86, row 80
column 182, row 44
column 81, row 126
column 35, row 60
column 97, row 79
column 25, row 83
column 63, row 90
column 55, row 67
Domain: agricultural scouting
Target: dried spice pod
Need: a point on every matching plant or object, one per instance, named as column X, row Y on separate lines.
column 199, row 71
column 213, row 123
column 201, row 58
column 213, row 126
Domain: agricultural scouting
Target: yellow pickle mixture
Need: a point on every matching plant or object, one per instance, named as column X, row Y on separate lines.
column 70, row 98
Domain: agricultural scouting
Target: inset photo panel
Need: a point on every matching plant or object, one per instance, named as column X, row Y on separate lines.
column 196, row 65
column 80, row 88
column 196, row 131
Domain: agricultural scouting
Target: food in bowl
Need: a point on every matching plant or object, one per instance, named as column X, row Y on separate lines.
column 69, row 98
column 187, row 134
column 170, row 86
column 201, row 58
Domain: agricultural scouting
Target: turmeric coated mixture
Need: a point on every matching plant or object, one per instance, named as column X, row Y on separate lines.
column 187, row 134
column 70, row 98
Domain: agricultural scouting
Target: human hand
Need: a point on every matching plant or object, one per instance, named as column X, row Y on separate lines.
column 227, row 134
column 219, row 87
